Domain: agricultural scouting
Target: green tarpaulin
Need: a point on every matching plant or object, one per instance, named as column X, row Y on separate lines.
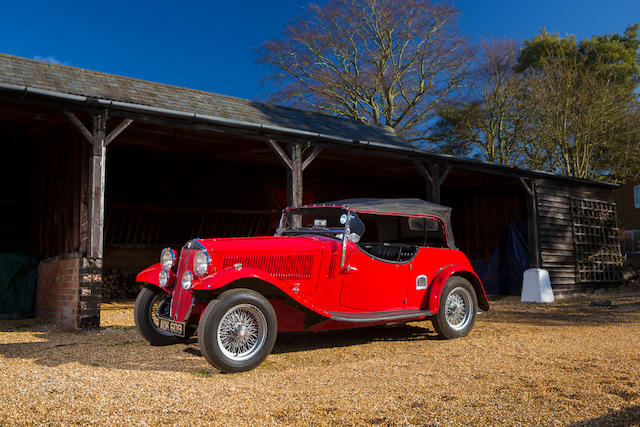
column 18, row 276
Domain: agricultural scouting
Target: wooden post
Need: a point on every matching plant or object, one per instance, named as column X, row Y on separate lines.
column 96, row 186
column 294, row 190
column 433, row 178
column 295, row 165
column 532, row 222
column 434, row 168
column 99, row 139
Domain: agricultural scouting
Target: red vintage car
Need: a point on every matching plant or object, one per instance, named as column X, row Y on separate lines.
column 343, row 264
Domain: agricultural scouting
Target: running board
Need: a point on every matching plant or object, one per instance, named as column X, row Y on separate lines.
column 380, row 316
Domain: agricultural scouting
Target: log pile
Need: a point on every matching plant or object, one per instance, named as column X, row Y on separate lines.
column 119, row 285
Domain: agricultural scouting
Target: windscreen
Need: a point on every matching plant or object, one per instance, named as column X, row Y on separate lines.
column 314, row 219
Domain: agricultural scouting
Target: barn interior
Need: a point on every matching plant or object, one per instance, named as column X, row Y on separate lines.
column 168, row 181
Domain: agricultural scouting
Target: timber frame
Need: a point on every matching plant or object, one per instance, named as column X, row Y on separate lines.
column 99, row 140
column 433, row 177
column 295, row 165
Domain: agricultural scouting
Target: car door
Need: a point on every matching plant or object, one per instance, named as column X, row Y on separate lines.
column 371, row 284
column 424, row 267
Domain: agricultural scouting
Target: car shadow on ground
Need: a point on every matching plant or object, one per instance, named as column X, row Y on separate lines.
column 586, row 312
column 293, row 342
column 624, row 417
column 122, row 347
column 303, row 341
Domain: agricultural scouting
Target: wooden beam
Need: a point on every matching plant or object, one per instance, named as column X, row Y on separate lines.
column 99, row 140
column 280, row 152
column 532, row 224
column 117, row 131
column 81, row 127
column 445, row 174
column 311, row 157
column 96, row 186
column 434, row 169
column 295, row 187
column 423, row 171
column 526, row 187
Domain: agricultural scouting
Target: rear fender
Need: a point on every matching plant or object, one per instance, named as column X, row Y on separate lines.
column 435, row 288
column 149, row 276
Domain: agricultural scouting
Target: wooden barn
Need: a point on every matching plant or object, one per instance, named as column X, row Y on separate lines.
column 100, row 172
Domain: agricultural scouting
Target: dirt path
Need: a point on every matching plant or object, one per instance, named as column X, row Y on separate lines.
column 564, row 363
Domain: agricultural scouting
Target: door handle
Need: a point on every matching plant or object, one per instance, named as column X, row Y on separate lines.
column 349, row 268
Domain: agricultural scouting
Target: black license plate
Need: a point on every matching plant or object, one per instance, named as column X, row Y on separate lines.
column 171, row 326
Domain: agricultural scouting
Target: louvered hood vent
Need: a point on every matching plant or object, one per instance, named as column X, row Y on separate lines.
column 283, row 267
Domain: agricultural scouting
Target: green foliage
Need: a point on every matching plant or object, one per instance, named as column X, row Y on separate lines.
column 612, row 55
column 557, row 104
column 536, row 52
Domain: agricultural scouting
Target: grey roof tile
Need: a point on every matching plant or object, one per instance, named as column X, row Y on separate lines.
column 76, row 81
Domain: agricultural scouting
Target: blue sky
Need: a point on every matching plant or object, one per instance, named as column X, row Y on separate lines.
column 210, row 45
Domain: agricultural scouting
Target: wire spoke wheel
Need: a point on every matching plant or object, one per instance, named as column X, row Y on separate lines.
column 242, row 332
column 150, row 305
column 159, row 308
column 458, row 308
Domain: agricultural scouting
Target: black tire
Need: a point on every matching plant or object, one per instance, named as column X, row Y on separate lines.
column 145, row 317
column 252, row 337
column 457, row 311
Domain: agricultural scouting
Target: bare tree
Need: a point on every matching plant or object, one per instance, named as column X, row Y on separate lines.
column 388, row 62
column 490, row 120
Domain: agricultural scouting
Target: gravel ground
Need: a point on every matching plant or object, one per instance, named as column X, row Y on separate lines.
column 571, row 362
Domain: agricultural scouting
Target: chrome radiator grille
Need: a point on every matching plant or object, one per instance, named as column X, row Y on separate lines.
column 181, row 299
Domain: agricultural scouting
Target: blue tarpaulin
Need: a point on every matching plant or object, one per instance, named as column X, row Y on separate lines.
column 502, row 273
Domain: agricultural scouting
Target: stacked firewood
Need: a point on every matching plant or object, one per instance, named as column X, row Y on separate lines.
column 118, row 285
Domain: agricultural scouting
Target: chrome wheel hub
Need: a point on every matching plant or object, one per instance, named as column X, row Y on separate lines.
column 458, row 308
column 242, row 332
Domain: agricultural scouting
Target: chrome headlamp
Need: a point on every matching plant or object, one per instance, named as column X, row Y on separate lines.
column 168, row 258
column 163, row 278
column 201, row 263
column 187, row 278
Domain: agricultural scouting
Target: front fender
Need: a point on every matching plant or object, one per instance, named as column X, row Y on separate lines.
column 435, row 288
column 149, row 276
column 228, row 276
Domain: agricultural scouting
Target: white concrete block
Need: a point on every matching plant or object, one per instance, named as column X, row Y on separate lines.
column 536, row 286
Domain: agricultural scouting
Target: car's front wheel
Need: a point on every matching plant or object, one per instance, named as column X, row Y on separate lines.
column 457, row 311
column 150, row 305
column 237, row 331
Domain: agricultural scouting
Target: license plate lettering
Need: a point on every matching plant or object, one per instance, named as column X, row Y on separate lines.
column 171, row 326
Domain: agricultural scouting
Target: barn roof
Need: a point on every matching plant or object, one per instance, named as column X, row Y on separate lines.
column 43, row 79
column 23, row 72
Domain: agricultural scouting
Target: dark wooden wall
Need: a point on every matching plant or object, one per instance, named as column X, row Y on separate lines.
column 57, row 168
column 481, row 215
column 570, row 249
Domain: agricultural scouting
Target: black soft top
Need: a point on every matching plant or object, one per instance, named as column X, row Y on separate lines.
column 398, row 207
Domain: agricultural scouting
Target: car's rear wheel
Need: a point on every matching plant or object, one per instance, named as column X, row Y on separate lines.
column 237, row 331
column 457, row 311
column 149, row 305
